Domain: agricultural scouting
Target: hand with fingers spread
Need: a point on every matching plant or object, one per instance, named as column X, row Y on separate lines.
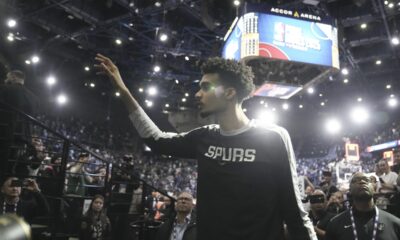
column 106, row 66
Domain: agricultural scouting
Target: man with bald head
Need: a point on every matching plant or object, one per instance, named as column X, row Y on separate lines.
column 363, row 220
column 318, row 214
column 182, row 225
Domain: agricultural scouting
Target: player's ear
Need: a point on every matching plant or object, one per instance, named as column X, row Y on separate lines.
column 230, row 93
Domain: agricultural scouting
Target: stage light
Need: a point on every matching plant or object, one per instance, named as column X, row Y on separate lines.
column 87, row 69
column 300, row 106
column 157, row 4
column 10, row 37
column 183, row 99
column 395, row 41
column 140, row 89
column 176, row 81
column 244, row 110
column 321, row 95
column 359, row 99
column 152, row 91
column 285, row 106
column 363, row 26
column 11, row 23
column 388, row 86
column 392, row 95
column 345, row 71
column 62, row 99
column 333, row 126
column 118, row 41
column 92, row 85
column 236, row 3
column 156, row 68
column 28, row 62
column 378, row 62
column 163, row 37
column 386, row 2
column 117, row 94
column 262, row 102
column 391, row 5
column 186, row 94
column 392, row 102
column 167, row 105
column 345, row 80
column 131, row 4
column 35, row 59
column 51, row 80
column 266, row 116
column 149, row 103
column 310, row 90
column 359, row 115
column 187, row 58
column 266, row 105
column 322, row 104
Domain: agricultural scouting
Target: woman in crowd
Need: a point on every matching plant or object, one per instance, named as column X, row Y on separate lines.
column 95, row 223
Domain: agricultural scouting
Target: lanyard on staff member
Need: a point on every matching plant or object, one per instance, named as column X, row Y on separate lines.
column 353, row 224
column 5, row 206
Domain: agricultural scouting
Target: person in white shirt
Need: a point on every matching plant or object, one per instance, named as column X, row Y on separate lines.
column 387, row 180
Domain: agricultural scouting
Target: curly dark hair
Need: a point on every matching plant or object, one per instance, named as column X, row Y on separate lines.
column 233, row 74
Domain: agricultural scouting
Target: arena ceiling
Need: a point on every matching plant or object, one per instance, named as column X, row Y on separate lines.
column 67, row 34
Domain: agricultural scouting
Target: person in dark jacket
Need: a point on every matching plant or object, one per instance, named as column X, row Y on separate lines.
column 95, row 224
column 182, row 226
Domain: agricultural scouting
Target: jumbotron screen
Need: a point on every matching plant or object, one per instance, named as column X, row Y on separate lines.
column 270, row 35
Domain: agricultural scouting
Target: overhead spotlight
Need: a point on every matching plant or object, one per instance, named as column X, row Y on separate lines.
column 392, row 102
column 386, row 2
column 87, row 69
column 131, row 4
column 10, row 37
column 183, row 99
column 285, row 106
column 130, row 38
column 152, row 91
column 62, row 99
column 140, row 89
column 186, row 94
column 392, row 95
column 35, row 59
column 167, row 105
column 359, row 115
column 262, row 102
column 266, row 116
column 28, row 62
column 236, row 3
column 51, row 80
column 363, row 26
column 92, row 85
column 157, row 4
column 163, row 37
column 345, row 80
column 117, row 94
column 149, row 103
column 244, row 110
column 359, row 99
column 187, row 58
column 378, row 62
column 273, row 109
column 333, row 126
column 310, row 90
column 322, row 104
column 176, row 81
column 11, row 23
column 300, row 106
column 391, row 5
column 118, row 41
column 321, row 95
column 156, row 68
column 395, row 41
column 388, row 86
column 130, row 24
column 345, row 71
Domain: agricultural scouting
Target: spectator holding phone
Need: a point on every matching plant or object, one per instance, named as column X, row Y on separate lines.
column 318, row 215
column 28, row 205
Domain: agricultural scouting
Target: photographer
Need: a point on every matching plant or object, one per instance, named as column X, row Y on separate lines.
column 28, row 204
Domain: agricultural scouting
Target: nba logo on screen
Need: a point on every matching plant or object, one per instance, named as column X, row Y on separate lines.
column 279, row 32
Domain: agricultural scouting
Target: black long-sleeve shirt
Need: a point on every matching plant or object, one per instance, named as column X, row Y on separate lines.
column 247, row 182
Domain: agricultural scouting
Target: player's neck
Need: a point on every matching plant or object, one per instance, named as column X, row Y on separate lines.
column 11, row 200
column 232, row 119
column 364, row 206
